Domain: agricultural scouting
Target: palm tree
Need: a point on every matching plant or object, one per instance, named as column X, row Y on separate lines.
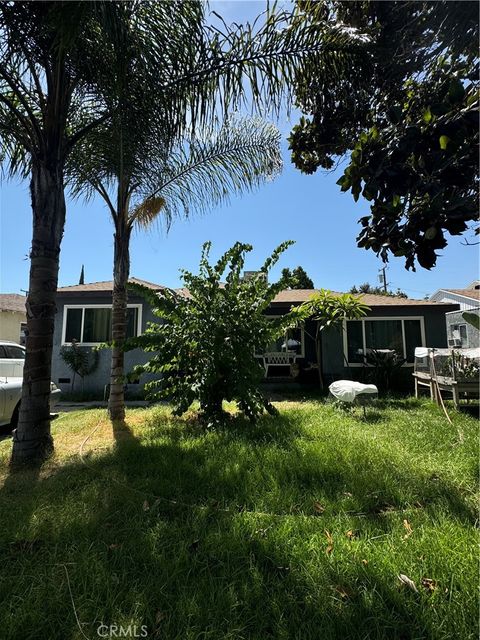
column 59, row 81
column 47, row 105
column 196, row 175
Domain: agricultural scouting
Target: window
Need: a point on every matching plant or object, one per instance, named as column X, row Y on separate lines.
column 97, row 325
column 413, row 338
column 384, row 334
column 11, row 352
column 93, row 324
column 23, row 329
column 401, row 335
column 355, row 342
column 459, row 332
column 292, row 340
column 16, row 353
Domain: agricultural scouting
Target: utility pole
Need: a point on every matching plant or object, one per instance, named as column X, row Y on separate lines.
column 383, row 278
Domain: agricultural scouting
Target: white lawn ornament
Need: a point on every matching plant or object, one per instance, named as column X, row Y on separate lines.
column 350, row 391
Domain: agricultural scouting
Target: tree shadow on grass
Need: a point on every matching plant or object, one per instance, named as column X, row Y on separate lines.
column 278, row 460
column 190, row 572
column 145, row 535
column 123, row 433
column 281, row 429
column 472, row 410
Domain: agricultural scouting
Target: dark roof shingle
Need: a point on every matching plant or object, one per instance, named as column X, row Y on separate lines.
column 106, row 285
column 292, row 296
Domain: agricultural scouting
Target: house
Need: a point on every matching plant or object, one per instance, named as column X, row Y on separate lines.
column 13, row 317
column 84, row 314
column 392, row 323
column 459, row 332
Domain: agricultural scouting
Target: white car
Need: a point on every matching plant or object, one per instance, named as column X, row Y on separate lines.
column 12, row 357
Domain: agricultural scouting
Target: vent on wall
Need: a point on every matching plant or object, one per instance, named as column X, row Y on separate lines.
column 64, row 381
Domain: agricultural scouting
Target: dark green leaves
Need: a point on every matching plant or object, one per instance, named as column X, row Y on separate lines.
column 407, row 112
column 211, row 330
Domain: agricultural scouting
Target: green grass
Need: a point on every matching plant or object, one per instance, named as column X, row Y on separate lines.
column 245, row 551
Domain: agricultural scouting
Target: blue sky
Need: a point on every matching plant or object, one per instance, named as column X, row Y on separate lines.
column 308, row 209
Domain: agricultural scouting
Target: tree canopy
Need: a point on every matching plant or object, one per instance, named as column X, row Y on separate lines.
column 366, row 287
column 406, row 116
column 297, row 278
column 328, row 310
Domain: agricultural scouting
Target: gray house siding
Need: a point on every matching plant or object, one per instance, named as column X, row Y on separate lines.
column 473, row 334
column 333, row 362
column 95, row 382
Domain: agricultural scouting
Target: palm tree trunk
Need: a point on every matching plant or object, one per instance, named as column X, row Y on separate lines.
column 121, row 269
column 318, row 346
column 32, row 440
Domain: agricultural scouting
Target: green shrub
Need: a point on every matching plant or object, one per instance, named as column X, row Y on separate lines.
column 82, row 361
column 206, row 342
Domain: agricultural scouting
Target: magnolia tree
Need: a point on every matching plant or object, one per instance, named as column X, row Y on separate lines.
column 206, row 342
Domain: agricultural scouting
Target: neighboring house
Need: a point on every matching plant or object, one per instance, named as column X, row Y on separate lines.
column 84, row 314
column 459, row 332
column 392, row 323
column 13, row 317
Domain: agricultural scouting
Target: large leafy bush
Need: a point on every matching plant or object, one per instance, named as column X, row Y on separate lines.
column 209, row 333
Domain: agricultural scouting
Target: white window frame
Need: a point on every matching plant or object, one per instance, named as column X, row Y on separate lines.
column 95, row 306
column 22, row 324
column 301, row 354
column 378, row 318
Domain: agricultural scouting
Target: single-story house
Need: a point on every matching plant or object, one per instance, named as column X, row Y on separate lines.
column 394, row 323
column 459, row 332
column 13, row 317
column 84, row 314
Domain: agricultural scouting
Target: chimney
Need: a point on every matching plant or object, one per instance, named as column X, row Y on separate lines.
column 249, row 275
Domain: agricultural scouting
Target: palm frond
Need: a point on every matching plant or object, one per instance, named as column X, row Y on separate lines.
column 200, row 174
column 259, row 63
column 147, row 211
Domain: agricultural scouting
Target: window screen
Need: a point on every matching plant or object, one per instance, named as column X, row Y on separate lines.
column 132, row 322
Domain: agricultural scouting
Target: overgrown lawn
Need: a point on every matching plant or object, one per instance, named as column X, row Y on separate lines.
column 296, row 528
